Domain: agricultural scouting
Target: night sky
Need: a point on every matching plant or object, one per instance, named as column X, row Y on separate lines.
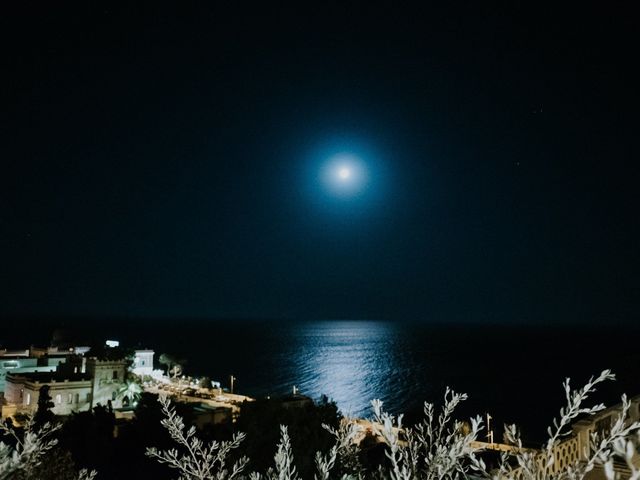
column 163, row 161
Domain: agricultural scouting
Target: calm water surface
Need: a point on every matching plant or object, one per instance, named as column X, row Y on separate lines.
column 516, row 374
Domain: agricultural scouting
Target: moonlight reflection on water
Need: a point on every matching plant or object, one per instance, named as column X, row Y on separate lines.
column 351, row 362
column 515, row 374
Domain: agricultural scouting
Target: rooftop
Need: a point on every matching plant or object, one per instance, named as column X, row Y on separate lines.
column 50, row 377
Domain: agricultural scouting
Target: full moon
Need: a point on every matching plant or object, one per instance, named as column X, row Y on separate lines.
column 344, row 173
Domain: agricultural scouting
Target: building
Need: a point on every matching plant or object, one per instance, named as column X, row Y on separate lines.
column 204, row 415
column 71, row 388
column 57, row 352
column 36, row 359
column 576, row 448
column 75, row 382
column 143, row 363
column 296, row 400
column 14, row 353
column 69, row 393
column 107, row 377
column 577, row 445
column 22, row 364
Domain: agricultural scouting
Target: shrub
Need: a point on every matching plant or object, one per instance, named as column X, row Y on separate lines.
column 439, row 447
column 30, row 453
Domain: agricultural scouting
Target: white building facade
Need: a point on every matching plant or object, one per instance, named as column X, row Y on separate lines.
column 107, row 377
column 143, row 363
column 68, row 395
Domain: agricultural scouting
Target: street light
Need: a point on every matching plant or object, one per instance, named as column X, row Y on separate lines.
column 489, row 431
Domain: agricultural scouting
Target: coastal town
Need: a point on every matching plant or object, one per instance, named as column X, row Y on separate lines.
column 83, row 379
column 77, row 381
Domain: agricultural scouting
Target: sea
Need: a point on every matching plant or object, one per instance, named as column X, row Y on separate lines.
column 514, row 374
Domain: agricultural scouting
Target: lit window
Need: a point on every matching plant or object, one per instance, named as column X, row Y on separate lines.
column 28, row 399
column 70, row 398
column 58, row 398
